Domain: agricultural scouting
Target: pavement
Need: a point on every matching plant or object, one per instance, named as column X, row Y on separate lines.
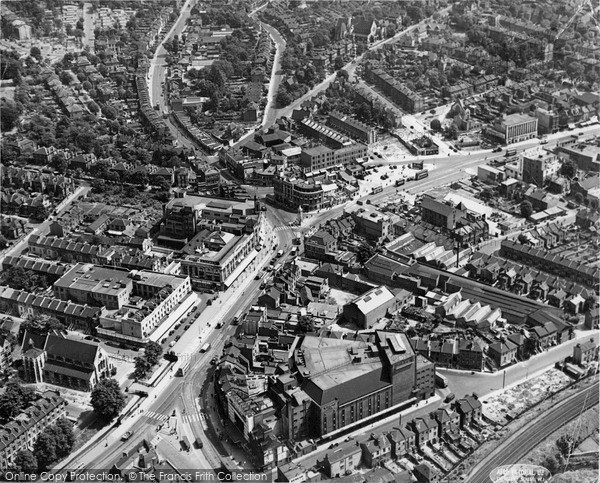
column 529, row 436
column 146, row 413
column 488, row 384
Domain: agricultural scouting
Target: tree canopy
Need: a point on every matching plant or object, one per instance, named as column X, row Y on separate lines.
column 107, row 399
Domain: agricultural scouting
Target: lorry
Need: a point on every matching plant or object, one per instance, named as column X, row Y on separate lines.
column 279, row 253
column 441, row 381
column 205, row 347
column 510, row 152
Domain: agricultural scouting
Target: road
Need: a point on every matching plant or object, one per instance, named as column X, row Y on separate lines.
column 182, row 391
column 523, row 441
column 462, row 383
column 276, row 76
column 350, row 67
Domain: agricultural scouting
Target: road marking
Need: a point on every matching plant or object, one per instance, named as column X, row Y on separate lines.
column 156, row 416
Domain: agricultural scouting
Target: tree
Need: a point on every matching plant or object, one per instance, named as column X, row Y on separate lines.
column 578, row 198
column 594, row 203
column 163, row 184
column 436, row 125
column 14, row 399
column 551, row 464
column 338, row 62
column 42, row 324
column 45, row 449
column 107, row 399
column 526, row 209
column 25, row 462
column 343, row 74
column 18, row 278
column 3, row 242
column 283, row 98
column 565, row 444
column 305, row 324
column 153, row 352
column 93, row 107
column 365, row 252
column 9, row 114
column 65, row 439
column 35, row 52
column 568, row 169
column 142, row 368
column 523, row 240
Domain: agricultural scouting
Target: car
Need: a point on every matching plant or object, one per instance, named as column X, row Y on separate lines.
column 195, row 308
column 177, row 338
column 235, row 321
column 188, row 326
column 127, row 435
column 213, row 361
column 497, row 150
column 257, row 276
column 219, row 325
column 450, row 397
column 171, row 332
column 164, row 340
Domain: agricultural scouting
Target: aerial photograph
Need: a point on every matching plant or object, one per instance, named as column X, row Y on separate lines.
column 300, row 241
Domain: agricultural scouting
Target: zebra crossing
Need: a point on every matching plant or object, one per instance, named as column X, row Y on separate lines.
column 285, row 227
column 161, row 418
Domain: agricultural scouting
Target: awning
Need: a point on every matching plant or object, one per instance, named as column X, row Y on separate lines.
column 240, row 268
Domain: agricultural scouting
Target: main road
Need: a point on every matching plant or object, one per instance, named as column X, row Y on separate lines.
column 529, row 436
column 173, row 391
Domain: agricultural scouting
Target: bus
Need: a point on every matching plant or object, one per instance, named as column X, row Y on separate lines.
column 183, row 369
column 421, row 174
column 377, row 189
column 205, row 347
column 400, row 182
column 441, row 381
column 510, row 152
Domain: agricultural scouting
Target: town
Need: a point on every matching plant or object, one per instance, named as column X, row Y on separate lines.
column 299, row 240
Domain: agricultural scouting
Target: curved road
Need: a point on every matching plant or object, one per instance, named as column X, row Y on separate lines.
column 528, row 437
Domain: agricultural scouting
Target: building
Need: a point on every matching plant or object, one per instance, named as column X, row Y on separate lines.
column 320, row 157
column 469, row 409
column 539, row 165
column 369, row 307
column 310, row 195
column 76, row 364
column 371, row 222
column 321, row 246
column 513, row 128
column 401, row 95
column 352, row 127
column 585, row 352
column 503, row 353
column 351, row 380
column 586, row 156
column 343, row 460
column 403, row 441
column 90, row 284
column 155, row 296
column 318, row 131
column 22, row 431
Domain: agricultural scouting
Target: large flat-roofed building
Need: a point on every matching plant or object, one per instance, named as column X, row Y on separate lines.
column 538, row 165
column 514, row 128
column 184, row 217
column 321, row 157
column 351, row 380
column 155, row 297
column 87, row 283
column 215, row 259
column 352, row 127
column 587, row 157
column 311, row 195
column 22, row 431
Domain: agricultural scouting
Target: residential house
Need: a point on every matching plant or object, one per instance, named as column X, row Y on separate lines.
column 469, row 409
column 585, row 352
column 403, row 441
column 503, row 353
column 343, row 459
column 376, row 450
